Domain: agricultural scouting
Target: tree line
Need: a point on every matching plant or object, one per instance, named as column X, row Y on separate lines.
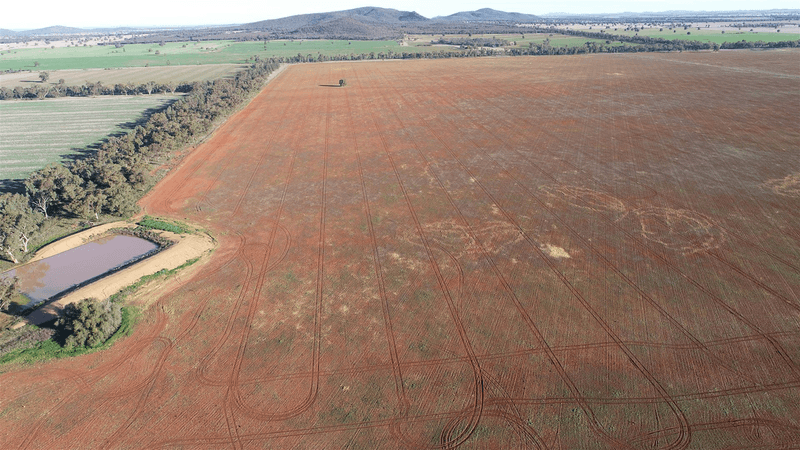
column 60, row 89
column 545, row 48
column 113, row 178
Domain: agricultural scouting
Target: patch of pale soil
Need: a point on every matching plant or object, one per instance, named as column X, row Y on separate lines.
column 186, row 247
column 555, row 251
column 788, row 186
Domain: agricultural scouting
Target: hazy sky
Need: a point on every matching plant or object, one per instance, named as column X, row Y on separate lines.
column 19, row 15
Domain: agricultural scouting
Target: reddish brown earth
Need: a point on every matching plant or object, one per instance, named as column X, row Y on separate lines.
column 548, row 252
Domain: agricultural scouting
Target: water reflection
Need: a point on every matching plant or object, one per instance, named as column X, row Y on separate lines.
column 31, row 276
column 43, row 279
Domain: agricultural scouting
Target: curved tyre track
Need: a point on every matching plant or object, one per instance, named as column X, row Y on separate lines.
column 443, row 134
column 614, row 223
column 473, row 361
column 685, row 437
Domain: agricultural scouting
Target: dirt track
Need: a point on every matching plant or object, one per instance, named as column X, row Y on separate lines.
column 565, row 252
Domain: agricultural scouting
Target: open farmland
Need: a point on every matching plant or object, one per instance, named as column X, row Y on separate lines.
column 698, row 32
column 181, row 53
column 523, row 39
column 34, row 133
column 709, row 35
column 134, row 75
column 547, row 252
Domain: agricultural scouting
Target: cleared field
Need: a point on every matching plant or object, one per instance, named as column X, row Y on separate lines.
column 716, row 34
column 518, row 40
column 179, row 53
column 548, row 252
column 36, row 133
column 135, row 75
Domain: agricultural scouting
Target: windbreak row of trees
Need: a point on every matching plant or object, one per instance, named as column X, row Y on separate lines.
column 46, row 90
column 111, row 180
column 300, row 58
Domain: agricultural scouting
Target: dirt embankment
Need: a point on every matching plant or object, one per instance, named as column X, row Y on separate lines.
column 186, row 247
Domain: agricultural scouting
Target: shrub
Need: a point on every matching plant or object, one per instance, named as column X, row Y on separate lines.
column 88, row 323
column 155, row 224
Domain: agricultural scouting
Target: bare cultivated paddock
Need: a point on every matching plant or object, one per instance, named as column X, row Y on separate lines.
column 550, row 252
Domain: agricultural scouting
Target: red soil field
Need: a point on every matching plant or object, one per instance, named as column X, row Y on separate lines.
column 549, row 252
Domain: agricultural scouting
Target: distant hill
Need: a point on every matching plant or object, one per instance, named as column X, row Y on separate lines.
column 487, row 15
column 345, row 28
column 7, row 32
column 57, row 29
column 374, row 23
column 359, row 23
column 367, row 20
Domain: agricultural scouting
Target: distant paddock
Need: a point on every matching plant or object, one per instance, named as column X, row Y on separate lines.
column 135, row 75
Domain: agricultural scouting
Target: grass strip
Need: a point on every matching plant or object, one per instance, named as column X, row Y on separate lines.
column 155, row 224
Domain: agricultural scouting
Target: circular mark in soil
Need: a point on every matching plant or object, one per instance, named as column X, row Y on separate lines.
column 586, row 198
column 788, row 185
column 679, row 229
column 495, row 236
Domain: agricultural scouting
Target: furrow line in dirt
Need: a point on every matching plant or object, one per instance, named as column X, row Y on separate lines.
column 204, row 366
column 447, row 441
column 725, row 68
column 616, row 270
column 397, row 372
column 238, row 400
column 200, row 155
column 147, row 386
column 506, row 355
column 477, row 373
column 684, row 439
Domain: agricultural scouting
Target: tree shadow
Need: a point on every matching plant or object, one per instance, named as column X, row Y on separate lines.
column 143, row 117
column 77, row 154
column 15, row 186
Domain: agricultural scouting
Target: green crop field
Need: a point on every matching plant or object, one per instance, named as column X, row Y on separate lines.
column 34, row 133
column 180, row 53
column 134, row 75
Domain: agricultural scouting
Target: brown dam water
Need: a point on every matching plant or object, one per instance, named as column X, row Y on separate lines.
column 44, row 279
